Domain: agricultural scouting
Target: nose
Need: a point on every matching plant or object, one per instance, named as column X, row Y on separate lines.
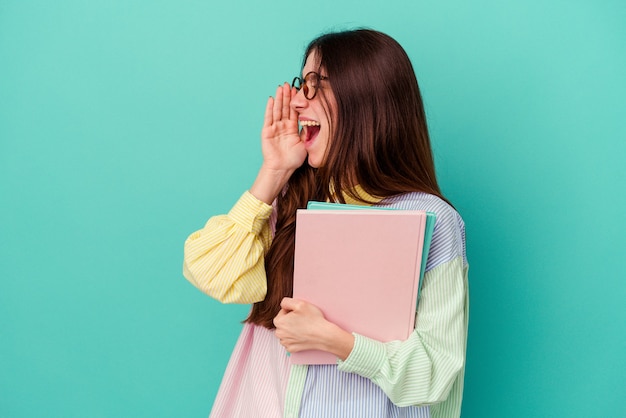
column 299, row 102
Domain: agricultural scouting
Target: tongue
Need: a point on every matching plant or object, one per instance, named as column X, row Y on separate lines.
column 311, row 132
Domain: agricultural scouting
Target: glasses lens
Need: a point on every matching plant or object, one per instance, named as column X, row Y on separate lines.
column 299, row 83
column 311, row 80
column 308, row 84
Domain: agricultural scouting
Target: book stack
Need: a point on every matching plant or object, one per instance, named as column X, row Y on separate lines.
column 362, row 267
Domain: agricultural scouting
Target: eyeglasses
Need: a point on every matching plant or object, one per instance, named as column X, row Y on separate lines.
column 309, row 84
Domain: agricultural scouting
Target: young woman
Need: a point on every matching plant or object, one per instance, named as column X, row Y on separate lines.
column 362, row 139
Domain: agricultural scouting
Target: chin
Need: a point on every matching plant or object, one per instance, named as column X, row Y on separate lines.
column 314, row 163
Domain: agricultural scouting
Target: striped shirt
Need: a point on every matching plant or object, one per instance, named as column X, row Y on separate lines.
column 419, row 377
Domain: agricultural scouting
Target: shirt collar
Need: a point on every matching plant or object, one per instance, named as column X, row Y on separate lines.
column 358, row 190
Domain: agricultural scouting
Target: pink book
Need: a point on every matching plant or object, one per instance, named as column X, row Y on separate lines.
column 362, row 269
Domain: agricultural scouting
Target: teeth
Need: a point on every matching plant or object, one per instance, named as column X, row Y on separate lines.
column 309, row 123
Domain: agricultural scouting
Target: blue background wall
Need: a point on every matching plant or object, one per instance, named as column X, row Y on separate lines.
column 124, row 125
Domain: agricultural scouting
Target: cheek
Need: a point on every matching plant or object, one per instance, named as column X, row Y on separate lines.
column 331, row 123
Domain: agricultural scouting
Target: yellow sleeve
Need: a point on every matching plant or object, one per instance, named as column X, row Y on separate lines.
column 226, row 258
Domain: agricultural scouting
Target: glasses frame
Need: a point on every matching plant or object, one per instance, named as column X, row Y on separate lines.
column 302, row 84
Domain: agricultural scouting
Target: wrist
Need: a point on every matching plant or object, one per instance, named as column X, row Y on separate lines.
column 269, row 183
column 338, row 342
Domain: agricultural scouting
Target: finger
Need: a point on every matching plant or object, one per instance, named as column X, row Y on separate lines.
column 267, row 120
column 277, row 110
column 289, row 304
column 293, row 115
column 286, row 100
column 279, row 317
column 292, row 348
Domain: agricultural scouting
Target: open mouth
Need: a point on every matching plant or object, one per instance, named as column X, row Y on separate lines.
column 310, row 130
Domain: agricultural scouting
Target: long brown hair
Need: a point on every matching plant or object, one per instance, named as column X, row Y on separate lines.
column 379, row 140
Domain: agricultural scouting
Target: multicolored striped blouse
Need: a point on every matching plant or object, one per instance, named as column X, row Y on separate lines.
column 420, row 377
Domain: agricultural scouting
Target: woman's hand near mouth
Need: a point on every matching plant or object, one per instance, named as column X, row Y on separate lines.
column 283, row 151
